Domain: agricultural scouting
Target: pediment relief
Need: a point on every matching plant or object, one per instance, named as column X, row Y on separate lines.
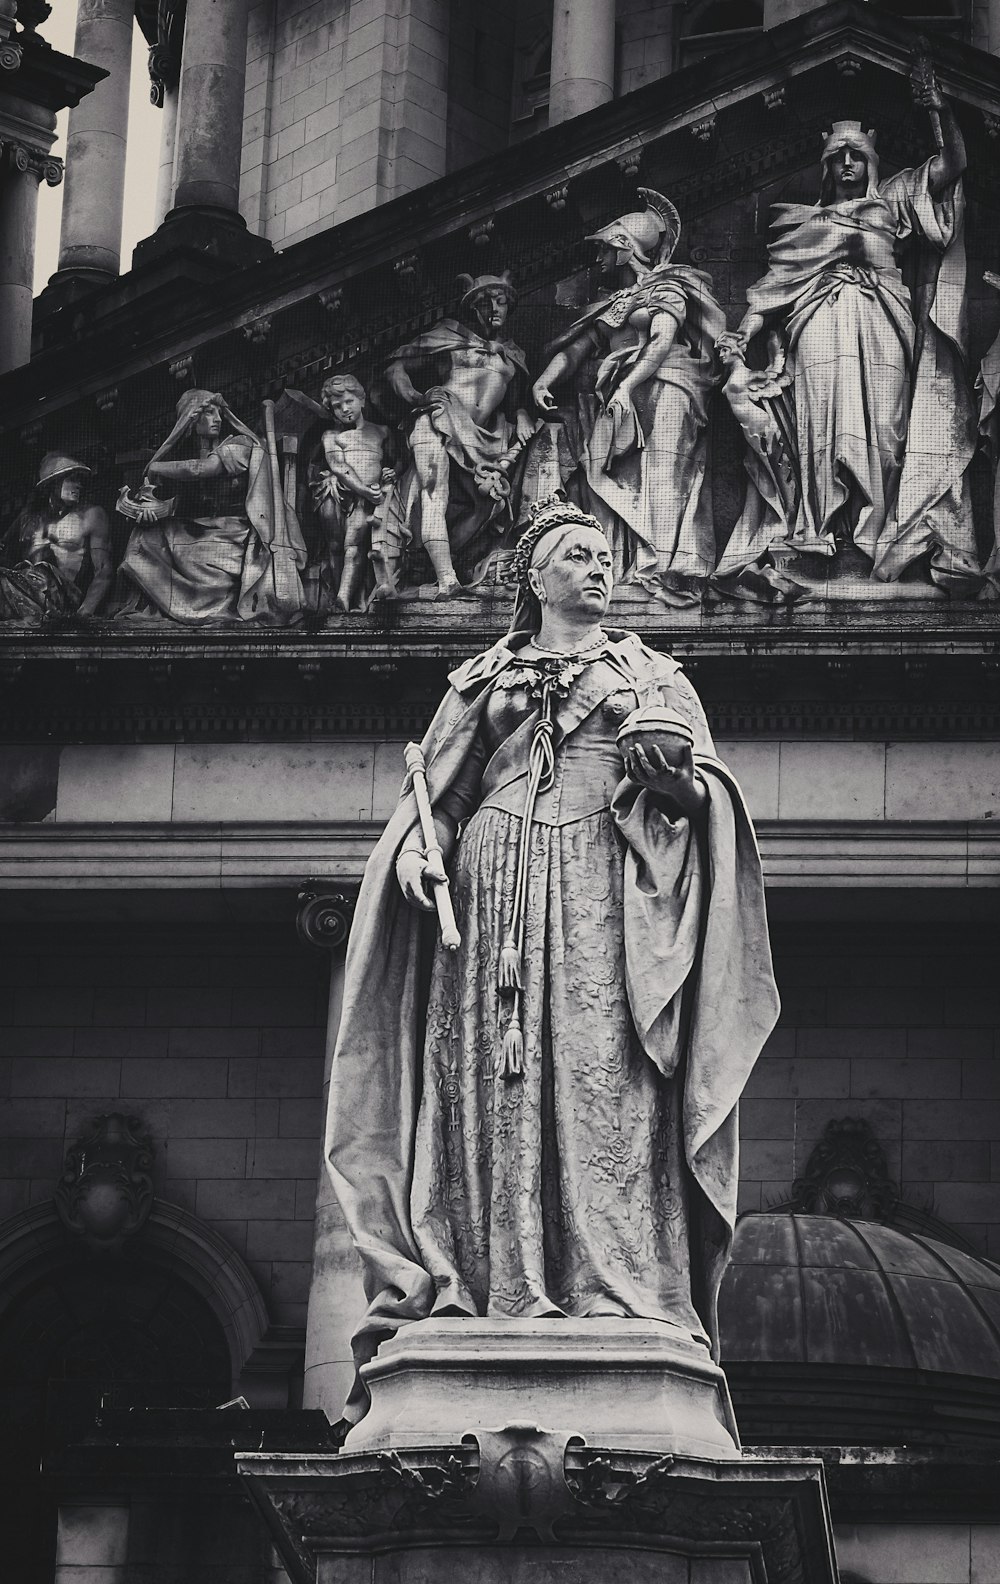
column 495, row 337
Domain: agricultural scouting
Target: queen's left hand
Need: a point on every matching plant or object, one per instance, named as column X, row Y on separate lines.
column 678, row 783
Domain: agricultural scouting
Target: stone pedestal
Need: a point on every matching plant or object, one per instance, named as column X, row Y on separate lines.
column 633, row 1384
column 520, row 1505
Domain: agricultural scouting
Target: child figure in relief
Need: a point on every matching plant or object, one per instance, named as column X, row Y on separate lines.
column 350, row 488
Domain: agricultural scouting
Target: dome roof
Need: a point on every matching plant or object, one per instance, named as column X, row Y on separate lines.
column 849, row 1312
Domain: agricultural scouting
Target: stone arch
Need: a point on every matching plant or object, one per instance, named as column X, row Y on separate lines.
column 35, row 1244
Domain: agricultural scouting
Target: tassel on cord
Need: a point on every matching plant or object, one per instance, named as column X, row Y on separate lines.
column 510, row 1063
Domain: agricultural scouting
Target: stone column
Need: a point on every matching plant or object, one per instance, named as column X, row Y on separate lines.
column 22, row 166
column 336, row 1295
column 582, row 73
column 168, row 154
column 91, row 237
column 210, row 113
column 205, row 219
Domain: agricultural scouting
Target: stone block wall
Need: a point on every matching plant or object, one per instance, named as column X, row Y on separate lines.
column 213, row 1037
column 926, row 1553
column 346, row 107
column 898, row 1024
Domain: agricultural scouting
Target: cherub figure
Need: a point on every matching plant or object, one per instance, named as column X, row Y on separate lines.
column 351, row 487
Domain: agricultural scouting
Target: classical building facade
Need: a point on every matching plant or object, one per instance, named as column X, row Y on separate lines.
column 417, row 266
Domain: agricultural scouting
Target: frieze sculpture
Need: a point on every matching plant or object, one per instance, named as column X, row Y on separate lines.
column 235, row 551
column 549, row 1127
column 57, row 551
column 454, row 499
column 988, row 391
column 349, row 489
column 859, row 428
column 645, row 365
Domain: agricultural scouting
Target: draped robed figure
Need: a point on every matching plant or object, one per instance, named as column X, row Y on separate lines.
column 543, row 1122
column 861, row 429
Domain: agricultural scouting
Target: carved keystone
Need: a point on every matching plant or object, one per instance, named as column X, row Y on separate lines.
column 522, row 1479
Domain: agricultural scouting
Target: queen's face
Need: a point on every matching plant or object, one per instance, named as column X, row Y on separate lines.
column 209, row 423
column 849, row 170
column 578, row 577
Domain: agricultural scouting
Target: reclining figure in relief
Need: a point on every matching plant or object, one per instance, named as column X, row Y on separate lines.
column 51, row 545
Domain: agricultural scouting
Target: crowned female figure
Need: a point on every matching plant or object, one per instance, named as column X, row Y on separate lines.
column 231, row 555
column 861, row 429
column 542, row 1122
column 640, row 432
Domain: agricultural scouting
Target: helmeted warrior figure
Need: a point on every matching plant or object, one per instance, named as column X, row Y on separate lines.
column 636, row 430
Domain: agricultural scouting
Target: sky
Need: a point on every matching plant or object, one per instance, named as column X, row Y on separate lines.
column 141, row 164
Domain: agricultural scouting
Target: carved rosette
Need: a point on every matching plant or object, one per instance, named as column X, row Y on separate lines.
column 105, row 1194
column 325, row 915
column 26, row 159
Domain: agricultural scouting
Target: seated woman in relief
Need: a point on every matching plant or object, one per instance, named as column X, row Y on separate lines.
column 225, row 559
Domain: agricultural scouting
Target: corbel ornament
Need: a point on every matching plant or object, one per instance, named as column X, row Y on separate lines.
column 164, row 32
column 326, row 912
column 257, row 331
column 407, row 272
column 557, row 198
column 775, row 98
column 332, row 300
column 27, row 159
column 181, row 368
column 704, row 130
column 991, row 123
column 107, row 400
column 481, row 233
column 629, row 163
column 10, row 51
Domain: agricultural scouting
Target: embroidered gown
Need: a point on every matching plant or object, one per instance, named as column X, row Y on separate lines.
column 562, row 1191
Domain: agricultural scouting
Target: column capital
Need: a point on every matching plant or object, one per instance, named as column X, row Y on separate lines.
column 326, row 912
column 164, row 72
column 28, row 157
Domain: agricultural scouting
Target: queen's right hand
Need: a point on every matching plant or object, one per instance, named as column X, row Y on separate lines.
column 415, row 877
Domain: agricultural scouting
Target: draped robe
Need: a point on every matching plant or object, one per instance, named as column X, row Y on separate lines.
column 881, row 410
column 679, row 951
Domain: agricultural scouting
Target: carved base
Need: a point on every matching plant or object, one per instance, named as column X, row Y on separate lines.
column 525, row 1506
column 219, row 238
column 624, row 1383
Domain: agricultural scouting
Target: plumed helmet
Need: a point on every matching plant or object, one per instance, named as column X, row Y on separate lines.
column 56, row 465
column 649, row 235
